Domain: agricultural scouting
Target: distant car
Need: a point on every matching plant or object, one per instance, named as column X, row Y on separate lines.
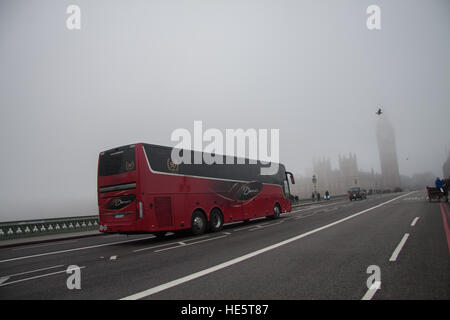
column 356, row 193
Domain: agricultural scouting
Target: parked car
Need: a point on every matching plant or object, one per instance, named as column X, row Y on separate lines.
column 357, row 193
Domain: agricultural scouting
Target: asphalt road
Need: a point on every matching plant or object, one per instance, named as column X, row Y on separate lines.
column 321, row 251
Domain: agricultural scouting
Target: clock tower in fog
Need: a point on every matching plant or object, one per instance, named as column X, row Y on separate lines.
column 387, row 150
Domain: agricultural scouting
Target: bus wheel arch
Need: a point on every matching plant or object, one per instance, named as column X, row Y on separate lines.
column 198, row 222
column 216, row 220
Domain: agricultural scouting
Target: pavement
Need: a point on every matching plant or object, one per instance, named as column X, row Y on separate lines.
column 327, row 250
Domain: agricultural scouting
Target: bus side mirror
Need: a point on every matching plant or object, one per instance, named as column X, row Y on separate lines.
column 291, row 176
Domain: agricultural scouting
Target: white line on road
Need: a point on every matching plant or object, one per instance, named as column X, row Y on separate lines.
column 168, row 244
column 190, row 243
column 371, row 292
column 36, row 277
column 231, row 262
column 244, row 228
column 32, row 271
column 75, row 249
column 305, row 216
column 399, row 247
column 43, row 245
column 414, row 221
column 265, row 226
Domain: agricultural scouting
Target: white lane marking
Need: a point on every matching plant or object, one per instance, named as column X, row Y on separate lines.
column 258, row 226
column 265, row 226
column 167, row 244
column 36, row 277
column 414, row 221
column 399, row 247
column 43, row 245
column 244, row 228
column 3, row 279
column 305, row 216
column 75, row 249
column 372, row 290
column 153, row 247
column 32, row 271
column 247, row 256
column 113, row 258
column 227, row 233
column 190, row 243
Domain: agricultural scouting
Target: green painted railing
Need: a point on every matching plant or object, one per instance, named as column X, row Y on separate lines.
column 24, row 229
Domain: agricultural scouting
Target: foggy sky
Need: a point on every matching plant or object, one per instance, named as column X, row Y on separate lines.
column 137, row 70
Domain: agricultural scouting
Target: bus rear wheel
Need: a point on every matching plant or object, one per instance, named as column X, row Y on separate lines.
column 198, row 223
column 215, row 221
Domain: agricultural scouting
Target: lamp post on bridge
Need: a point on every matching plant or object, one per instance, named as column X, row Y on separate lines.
column 314, row 181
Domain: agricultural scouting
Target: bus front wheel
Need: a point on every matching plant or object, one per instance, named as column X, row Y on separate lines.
column 198, row 223
column 276, row 212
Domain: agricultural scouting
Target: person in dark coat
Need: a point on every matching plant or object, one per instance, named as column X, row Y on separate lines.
column 438, row 183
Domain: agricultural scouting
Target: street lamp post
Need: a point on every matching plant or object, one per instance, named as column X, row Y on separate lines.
column 314, row 181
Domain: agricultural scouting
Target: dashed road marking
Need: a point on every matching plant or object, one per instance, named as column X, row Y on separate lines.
column 167, row 244
column 399, row 248
column 413, row 223
column 372, row 290
column 3, row 279
column 190, row 243
column 259, row 227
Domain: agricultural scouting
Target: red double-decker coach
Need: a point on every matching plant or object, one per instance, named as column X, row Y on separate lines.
column 140, row 189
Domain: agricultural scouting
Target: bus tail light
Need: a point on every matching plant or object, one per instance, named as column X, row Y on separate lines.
column 140, row 210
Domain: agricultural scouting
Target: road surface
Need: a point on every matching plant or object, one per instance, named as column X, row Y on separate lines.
column 322, row 251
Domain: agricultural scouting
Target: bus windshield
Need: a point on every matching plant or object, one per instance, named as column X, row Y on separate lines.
column 117, row 161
